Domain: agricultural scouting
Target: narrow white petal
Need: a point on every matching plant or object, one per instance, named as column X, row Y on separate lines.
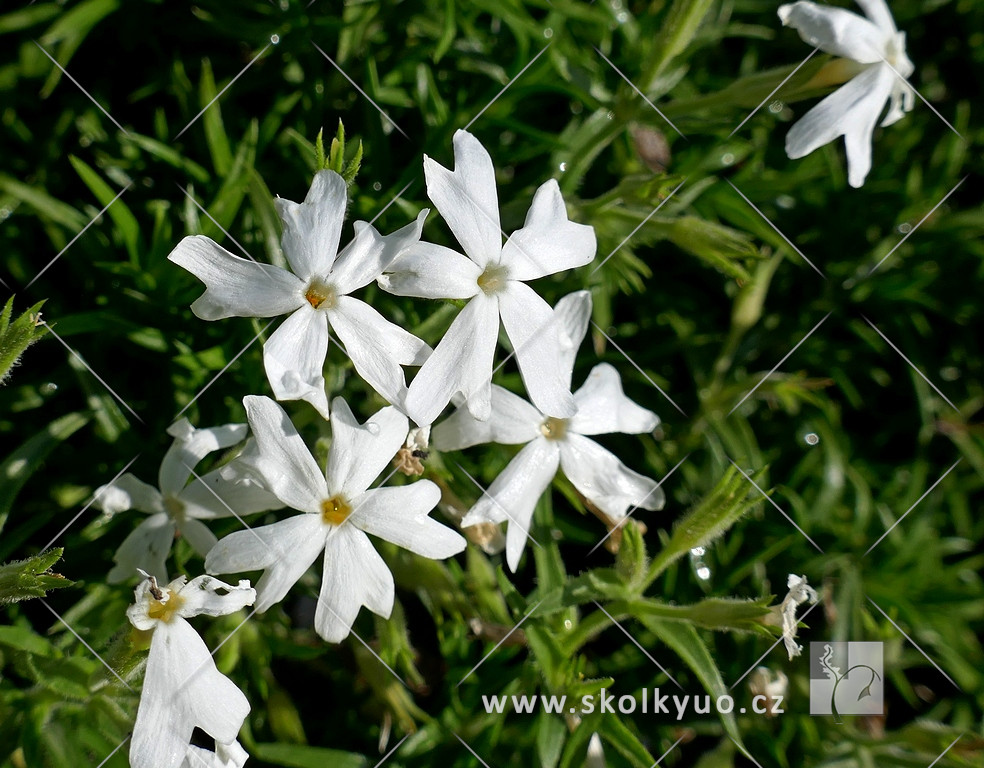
column 294, row 357
column 283, row 550
column 200, row 595
column 369, row 253
column 215, row 495
column 400, row 515
column 196, row 533
column 190, row 446
column 127, row 492
column 312, row 228
column 513, row 421
column 354, row 575
column 836, row 31
column 376, row 347
column 573, row 315
column 236, row 287
column 147, row 547
column 548, row 242
column 462, row 363
column 360, row 452
column 466, row 198
column 602, row 406
column 286, row 465
column 604, row 480
column 430, row 271
column 878, row 12
column 541, row 347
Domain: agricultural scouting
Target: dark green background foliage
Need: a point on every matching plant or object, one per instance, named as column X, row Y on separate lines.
column 705, row 297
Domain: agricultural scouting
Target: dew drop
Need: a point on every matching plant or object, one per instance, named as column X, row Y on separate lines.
column 274, row 39
column 376, row 186
column 786, row 201
column 568, row 624
column 698, row 551
column 319, row 88
column 905, row 227
column 548, row 33
column 48, row 388
column 621, row 17
column 727, row 158
column 776, row 107
column 373, row 428
column 563, row 167
column 811, row 438
column 5, row 213
column 703, row 572
column 950, row 373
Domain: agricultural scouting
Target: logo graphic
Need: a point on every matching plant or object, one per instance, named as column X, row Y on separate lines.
column 846, row 679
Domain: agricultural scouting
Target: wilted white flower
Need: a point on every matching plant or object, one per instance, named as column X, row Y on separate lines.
column 182, row 688
column 851, row 111
column 340, row 510
column 177, row 507
column 492, row 277
column 601, row 407
column 799, row 592
column 224, row 756
column 316, row 294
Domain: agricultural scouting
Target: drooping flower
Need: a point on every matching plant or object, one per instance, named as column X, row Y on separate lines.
column 878, row 50
column 601, row 407
column 492, row 277
column 177, row 507
column 800, row 592
column 315, row 293
column 339, row 510
column 182, row 688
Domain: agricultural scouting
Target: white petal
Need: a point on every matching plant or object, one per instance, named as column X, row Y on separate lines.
column 604, row 480
column 878, row 12
column 369, row 253
column 147, row 547
column 190, row 446
column 602, row 407
column 182, row 689
column 283, row 550
column 466, row 198
column 430, row 271
column 354, row 575
column 236, row 287
column 836, row 31
column 376, row 346
column 198, row 535
column 200, row 595
column 215, row 495
column 127, row 492
column 541, row 348
column 573, row 314
column 513, row 421
column 312, row 228
column 548, row 241
column 850, row 111
column 399, row 515
column 360, row 452
column 285, row 463
column 462, row 363
column 294, row 357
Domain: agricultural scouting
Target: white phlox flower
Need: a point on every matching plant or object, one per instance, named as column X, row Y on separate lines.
column 340, row 510
column 224, row 756
column 492, row 277
column 799, row 592
column 182, row 688
column 177, row 507
column 601, row 407
column 315, row 293
column 852, row 111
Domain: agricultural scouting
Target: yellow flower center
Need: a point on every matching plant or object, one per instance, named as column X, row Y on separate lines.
column 165, row 611
column 320, row 295
column 493, row 279
column 335, row 510
column 554, row 429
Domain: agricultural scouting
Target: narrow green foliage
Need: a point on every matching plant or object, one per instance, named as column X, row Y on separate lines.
column 17, row 336
column 24, row 579
column 335, row 159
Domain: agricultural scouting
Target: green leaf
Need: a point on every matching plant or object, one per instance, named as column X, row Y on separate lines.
column 125, row 221
column 620, row 737
column 551, row 733
column 24, row 579
column 17, row 336
column 296, row 756
column 27, row 640
column 676, row 33
column 215, row 135
column 43, row 204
